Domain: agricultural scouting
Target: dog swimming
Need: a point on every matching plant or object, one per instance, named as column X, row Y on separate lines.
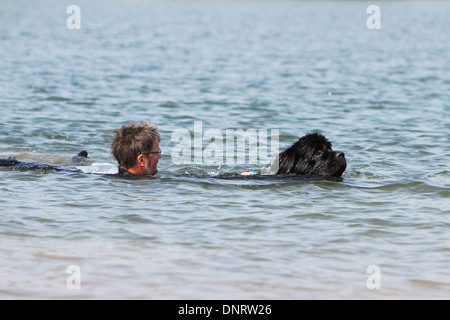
column 310, row 155
column 81, row 163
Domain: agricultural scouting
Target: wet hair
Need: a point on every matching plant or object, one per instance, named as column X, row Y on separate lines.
column 311, row 155
column 132, row 140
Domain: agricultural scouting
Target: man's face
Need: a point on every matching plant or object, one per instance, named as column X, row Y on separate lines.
column 151, row 160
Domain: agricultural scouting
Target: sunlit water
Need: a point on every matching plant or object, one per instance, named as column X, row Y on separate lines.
column 198, row 231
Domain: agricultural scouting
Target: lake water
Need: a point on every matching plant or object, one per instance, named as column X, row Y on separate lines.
column 197, row 230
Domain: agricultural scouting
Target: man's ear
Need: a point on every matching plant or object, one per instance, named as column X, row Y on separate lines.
column 140, row 159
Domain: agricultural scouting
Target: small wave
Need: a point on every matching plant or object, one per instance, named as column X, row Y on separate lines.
column 363, row 175
column 429, row 284
column 56, row 98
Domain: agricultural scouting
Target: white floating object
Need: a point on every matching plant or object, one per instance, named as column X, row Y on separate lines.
column 101, row 168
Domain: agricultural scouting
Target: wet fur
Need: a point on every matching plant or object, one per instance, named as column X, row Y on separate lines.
column 26, row 166
column 311, row 155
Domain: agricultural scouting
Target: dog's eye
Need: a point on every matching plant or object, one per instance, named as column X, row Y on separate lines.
column 319, row 153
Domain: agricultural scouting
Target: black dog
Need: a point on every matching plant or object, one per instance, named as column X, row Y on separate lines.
column 26, row 166
column 311, row 155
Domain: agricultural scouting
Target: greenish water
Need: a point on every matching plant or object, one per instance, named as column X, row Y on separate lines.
column 381, row 96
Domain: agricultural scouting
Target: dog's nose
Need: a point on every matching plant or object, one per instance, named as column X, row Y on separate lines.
column 340, row 155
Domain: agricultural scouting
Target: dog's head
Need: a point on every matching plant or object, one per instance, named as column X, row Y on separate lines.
column 310, row 155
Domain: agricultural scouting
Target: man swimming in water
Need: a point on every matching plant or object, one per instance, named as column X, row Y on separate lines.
column 135, row 147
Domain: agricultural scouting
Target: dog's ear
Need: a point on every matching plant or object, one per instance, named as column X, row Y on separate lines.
column 291, row 160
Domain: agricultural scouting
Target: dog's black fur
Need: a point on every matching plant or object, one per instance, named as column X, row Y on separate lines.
column 26, row 166
column 311, row 155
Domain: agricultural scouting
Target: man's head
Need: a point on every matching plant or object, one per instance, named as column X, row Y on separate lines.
column 136, row 148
